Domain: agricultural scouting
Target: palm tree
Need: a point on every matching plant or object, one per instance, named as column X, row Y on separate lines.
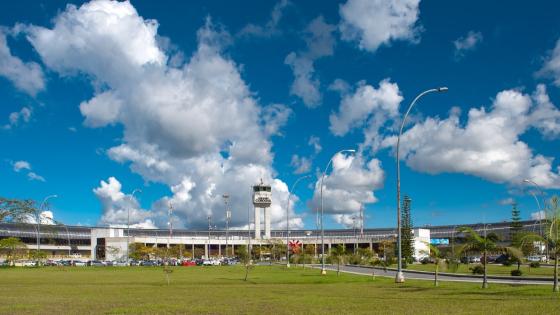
column 552, row 235
column 438, row 257
column 338, row 255
column 482, row 244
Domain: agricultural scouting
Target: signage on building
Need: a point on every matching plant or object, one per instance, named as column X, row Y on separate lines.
column 439, row 241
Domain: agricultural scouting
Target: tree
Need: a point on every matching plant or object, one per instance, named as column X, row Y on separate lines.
column 515, row 227
column 15, row 210
column 245, row 259
column 13, row 247
column 439, row 260
column 407, row 238
column 552, row 235
column 482, row 244
column 338, row 255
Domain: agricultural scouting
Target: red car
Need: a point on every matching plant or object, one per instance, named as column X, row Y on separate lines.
column 187, row 263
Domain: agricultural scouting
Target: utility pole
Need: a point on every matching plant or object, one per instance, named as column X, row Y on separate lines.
column 228, row 216
column 170, row 223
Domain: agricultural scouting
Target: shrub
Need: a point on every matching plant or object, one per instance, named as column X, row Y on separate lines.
column 425, row 261
column 477, row 270
column 516, row 273
column 506, row 263
column 535, row 264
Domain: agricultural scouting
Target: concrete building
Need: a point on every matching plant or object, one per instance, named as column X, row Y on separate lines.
column 109, row 243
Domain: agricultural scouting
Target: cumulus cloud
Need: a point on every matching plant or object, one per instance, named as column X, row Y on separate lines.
column 300, row 164
column 19, row 166
column 17, row 118
column 467, row 43
column 116, row 206
column 488, row 144
column 320, row 42
column 26, row 76
column 194, row 126
column 373, row 23
column 369, row 107
column 271, row 27
column 539, row 215
column 46, row 217
column 350, row 185
column 315, row 142
column 551, row 66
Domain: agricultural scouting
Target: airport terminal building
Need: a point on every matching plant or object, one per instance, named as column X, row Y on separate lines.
column 110, row 243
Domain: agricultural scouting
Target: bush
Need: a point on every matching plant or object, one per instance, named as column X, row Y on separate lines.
column 477, row 270
column 425, row 261
column 535, row 264
column 506, row 263
column 516, row 273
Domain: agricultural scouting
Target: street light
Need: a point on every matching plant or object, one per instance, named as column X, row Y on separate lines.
column 128, row 226
column 540, row 210
column 228, row 216
column 38, row 216
column 288, row 219
column 400, row 276
column 323, row 270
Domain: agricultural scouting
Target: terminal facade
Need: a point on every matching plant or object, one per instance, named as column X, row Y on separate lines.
column 110, row 243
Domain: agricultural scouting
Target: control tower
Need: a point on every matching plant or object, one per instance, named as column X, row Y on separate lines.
column 262, row 198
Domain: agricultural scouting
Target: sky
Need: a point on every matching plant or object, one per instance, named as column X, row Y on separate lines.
column 184, row 101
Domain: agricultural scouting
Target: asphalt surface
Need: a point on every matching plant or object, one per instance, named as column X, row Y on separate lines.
column 380, row 272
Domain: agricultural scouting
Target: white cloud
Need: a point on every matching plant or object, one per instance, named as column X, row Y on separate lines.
column 315, row 142
column 271, row 27
column 488, row 145
column 551, row 66
column 539, row 215
column 195, row 127
column 35, row 176
column 18, row 166
column 320, row 42
column 116, row 205
column 506, row 201
column 17, row 118
column 367, row 106
column 373, row 23
column 467, row 43
column 26, row 76
column 350, row 185
column 21, row 165
column 46, row 217
column 300, row 164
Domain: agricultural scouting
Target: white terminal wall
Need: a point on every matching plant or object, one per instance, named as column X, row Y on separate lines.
column 421, row 241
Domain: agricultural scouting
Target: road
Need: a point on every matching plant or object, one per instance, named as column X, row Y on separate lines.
column 380, row 272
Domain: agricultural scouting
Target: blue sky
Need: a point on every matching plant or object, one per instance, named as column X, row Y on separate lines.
column 189, row 100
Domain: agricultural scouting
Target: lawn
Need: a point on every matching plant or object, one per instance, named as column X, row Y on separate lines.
column 270, row 290
column 498, row 270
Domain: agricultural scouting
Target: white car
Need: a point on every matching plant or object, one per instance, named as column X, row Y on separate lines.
column 211, row 262
column 29, row 263
column 537, row 258
column 79, row 263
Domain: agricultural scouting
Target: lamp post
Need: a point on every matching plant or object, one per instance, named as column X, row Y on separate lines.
column 540, row 210
column 38, row 216
column 228, row 216
column 323, row 270
column 400, row 276
column 288, row 219
column 128, row 227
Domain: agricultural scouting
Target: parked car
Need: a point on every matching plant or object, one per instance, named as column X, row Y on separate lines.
column 95, row 263
column 211, row 262
column 536, row 258
column 120, row 263
column 149, row 263
column 29, row 263
column 188, row 263
column 79, row 263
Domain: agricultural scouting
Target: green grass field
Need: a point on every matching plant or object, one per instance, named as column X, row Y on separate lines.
column 270, row 290
column 498, row 270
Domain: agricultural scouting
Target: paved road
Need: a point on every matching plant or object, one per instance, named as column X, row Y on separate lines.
column 429, row 276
